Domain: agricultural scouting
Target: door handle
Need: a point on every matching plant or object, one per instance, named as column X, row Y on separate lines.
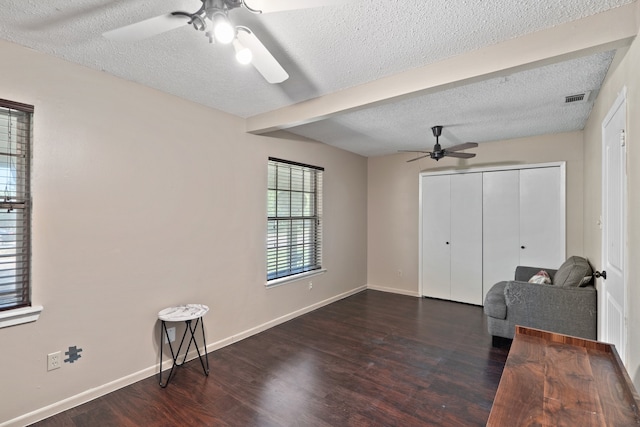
column 598, row 275
column 521, row 247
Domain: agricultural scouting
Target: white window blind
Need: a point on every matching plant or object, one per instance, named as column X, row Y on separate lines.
column 15, row 209
column 294, row 223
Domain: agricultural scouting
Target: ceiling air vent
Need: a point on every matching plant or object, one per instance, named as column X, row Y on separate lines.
column 579, row 98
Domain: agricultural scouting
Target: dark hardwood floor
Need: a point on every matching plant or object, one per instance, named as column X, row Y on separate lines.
column 373, row 359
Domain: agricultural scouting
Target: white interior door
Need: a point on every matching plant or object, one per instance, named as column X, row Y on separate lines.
column 466, row 238
column 436, row 225
column 542, row 234
column 613, row 296
column 501, row 227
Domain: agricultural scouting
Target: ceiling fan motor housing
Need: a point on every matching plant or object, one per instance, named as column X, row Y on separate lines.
column 437, row 152
column 437, row 155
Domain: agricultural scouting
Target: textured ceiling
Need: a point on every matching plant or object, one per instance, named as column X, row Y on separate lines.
column 522, row 104
column 329, row 49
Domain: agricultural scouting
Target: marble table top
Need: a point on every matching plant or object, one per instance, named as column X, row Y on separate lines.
column 181, row 313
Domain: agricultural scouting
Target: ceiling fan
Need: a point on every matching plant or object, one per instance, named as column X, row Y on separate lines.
column 213, row 19
column 439, row 152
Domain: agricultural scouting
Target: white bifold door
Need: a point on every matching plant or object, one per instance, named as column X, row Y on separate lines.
column 477, row 226
column 451, row 225
column 523, row 221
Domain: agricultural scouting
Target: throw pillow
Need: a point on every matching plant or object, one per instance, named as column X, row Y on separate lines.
column 541, row 277
column 572, row 272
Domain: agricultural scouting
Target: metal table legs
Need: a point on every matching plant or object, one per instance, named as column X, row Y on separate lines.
column 175, row 355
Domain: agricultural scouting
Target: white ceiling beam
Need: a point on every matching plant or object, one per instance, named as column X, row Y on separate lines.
column 604, row 31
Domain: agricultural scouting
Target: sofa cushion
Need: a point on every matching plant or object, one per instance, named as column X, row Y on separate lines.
column 573, row 272
column 495, row 304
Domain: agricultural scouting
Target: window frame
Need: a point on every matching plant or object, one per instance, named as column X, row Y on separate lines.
column 19, row 197
column 305, row 226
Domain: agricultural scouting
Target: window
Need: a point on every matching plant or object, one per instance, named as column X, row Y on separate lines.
column 15, row 209
column 294, row 224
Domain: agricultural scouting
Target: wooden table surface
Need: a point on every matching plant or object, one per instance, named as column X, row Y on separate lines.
column 556, row 380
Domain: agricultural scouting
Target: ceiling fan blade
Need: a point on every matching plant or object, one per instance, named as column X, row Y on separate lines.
column 262, row 60
column 459, row 155
column 418, row 158
column 413, row 151
column 147, row 28
column 269, row 6
column 462, row 146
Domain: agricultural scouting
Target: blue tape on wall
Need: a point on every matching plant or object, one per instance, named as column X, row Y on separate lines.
column 73, row 353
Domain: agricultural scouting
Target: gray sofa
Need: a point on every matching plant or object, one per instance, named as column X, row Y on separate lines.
column 567, row 306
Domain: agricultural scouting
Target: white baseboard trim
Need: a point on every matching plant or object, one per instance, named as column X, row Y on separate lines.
column 80, row 398
column 88, row 395
column 394, row 290
column 275, row 322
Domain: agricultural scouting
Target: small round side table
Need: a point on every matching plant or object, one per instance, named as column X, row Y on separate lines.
column 183, row 313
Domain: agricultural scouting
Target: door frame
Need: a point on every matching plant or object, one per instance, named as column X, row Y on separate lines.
column 602, row 315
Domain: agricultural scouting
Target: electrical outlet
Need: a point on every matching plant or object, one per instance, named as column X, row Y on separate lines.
column 53, row 361
column 172, row 335
column 310, row 285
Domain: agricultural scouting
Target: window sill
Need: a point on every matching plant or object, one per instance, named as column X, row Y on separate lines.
column 284, row 280
column 19, row 316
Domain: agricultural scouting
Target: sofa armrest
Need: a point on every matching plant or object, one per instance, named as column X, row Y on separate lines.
column 524, row 273
column 566, row 310
column 494, row 302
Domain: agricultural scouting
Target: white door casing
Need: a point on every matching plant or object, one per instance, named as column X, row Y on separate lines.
column 613, row 290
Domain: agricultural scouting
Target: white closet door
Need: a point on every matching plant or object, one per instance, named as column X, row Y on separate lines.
column 436, row 224
column 541, row 218
column 501, row 227
column 466, row 238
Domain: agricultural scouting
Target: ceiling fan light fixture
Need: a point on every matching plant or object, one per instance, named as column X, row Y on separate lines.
column 212, row 18
column 223, row 31
column 243, row 54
